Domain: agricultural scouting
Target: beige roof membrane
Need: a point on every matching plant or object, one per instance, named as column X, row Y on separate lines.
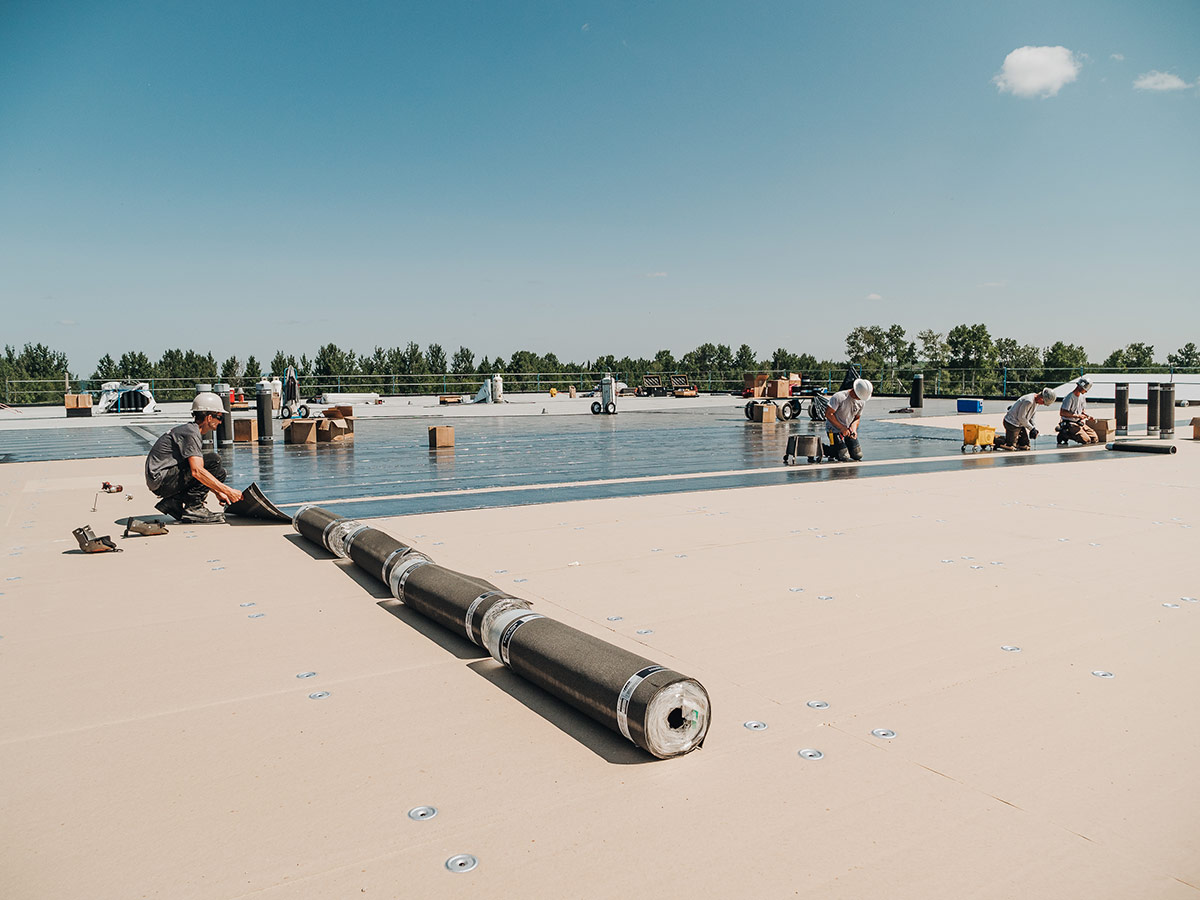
column 157, row 741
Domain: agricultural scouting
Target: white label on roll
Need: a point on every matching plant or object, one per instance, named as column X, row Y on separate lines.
column 471, row 611
column 511, row 630
column 627, row 694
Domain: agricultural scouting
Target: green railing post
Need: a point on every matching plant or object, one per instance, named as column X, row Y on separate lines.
column 1004, row 389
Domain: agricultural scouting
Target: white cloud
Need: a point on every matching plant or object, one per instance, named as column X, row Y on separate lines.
column 1119, row 57
column 656, row 274
column 874, row 297
column 1155, row 80
column 1037, row 71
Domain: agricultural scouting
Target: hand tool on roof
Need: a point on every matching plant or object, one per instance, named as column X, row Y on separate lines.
column 89, row 543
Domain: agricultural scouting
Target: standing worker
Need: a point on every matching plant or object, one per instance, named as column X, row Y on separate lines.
column 1018, row 421
column 178, row 471
column 1074, row 422
column 843, row 413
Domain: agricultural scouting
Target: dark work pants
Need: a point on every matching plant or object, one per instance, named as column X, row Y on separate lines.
column 850, row 445
column 1015, row 436
column 180, row 485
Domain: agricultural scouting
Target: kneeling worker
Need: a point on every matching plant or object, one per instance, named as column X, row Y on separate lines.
column 1075, row 423
column 1018, row 421
column 178, row 470
column 844, row 410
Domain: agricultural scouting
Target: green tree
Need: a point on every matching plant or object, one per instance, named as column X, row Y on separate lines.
column 664, row 361
column 933, row 348
column 745, row 360
column 231, row 372
column 253, row 370
column 134, row 364
column 280, row 362
column 1132, row 356
column 106, row 369
column 331, row 360
column 464, row 362
column 435, row 358
column 1188, row 357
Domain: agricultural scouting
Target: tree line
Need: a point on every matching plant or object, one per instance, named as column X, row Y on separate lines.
column 967, row 357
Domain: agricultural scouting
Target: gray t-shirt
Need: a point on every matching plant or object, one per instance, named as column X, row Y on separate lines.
column 846, row 407
column 171, row 451
column 1074, row 404
column 1020, row 414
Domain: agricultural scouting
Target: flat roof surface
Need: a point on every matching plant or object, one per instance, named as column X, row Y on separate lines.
column 158, row 741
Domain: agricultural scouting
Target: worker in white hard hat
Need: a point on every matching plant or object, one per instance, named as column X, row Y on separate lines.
column 843, row 414
column 182, row 474
column 1074, row 422
column 1018, row 421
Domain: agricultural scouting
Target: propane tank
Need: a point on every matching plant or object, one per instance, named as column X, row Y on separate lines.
column 497, row 389
column 607, row 391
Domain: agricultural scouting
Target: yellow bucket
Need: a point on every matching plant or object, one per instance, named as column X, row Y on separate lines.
column 979, row 435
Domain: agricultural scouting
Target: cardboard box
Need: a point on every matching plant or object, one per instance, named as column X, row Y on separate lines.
column 441, row 436
column 245, row 431
column 763, row 412
column 1196, row 429
column 300, row 431
column 333, row 430
column 1104, row 428
column 779, row 387
column 77, row 401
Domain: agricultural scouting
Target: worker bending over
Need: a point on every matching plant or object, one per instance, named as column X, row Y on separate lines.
column 1074, row 422
column 1018, row 421
column 178, row 470
column 843, row 413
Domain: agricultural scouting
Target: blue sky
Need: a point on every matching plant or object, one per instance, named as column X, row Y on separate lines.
column 593, row 178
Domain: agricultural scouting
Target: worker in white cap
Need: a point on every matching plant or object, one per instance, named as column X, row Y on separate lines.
column 1018, row 421
column 181, row 473
column 843, row 414
column 1074, row 422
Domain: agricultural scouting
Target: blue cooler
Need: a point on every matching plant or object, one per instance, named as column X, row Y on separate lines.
column 970, row 405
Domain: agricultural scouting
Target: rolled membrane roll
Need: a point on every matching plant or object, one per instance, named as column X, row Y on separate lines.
column 663, row 712
column 339, row 534
column 312, row 521
column 461, row 603
column 1139, row 447
column 374, row 551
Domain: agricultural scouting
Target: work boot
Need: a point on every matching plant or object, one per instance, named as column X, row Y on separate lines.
column 169, row 506
column 202, row 515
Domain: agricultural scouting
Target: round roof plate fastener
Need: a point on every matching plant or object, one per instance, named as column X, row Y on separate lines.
column 421, row 813
column 976, row 567
column 645, row 631
column 1011, row 648
column 615, row 618
column 818, row 704
column 255, row 615
column 886, row 733
column 1100, row 673
column 1189, row 599
column 825, row 597
column 796, row 590
column 305, row 674
column 248, row 603
column 947, row 560
column 755, row 725
column 1171, row 605
column 318, row 695
column 464, row 862
column 810, row 753
column 996, row 562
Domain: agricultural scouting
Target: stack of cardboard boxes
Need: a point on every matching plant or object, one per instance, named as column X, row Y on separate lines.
column 78, row 404
column 337, row 426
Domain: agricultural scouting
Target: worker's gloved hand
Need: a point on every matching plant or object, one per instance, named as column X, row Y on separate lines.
column 1033, row 433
